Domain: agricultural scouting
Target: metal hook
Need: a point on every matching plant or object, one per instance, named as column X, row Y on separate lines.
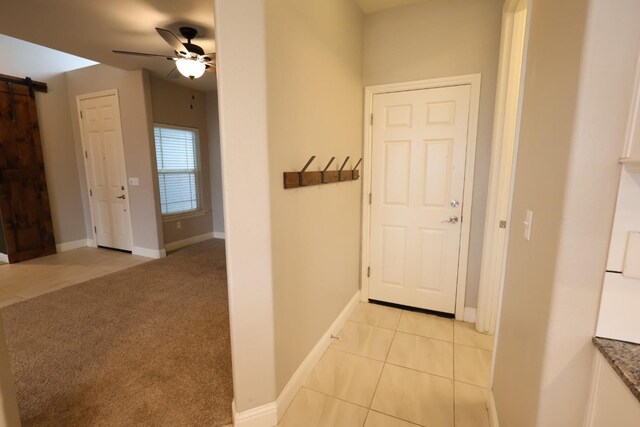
column 301, row 173
column 322, row 180
column 342, row 167
column 355, row 167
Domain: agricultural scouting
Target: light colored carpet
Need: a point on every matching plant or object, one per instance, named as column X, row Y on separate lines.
column 144, row 346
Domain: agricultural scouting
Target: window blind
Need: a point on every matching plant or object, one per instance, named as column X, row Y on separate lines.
column 178, row 169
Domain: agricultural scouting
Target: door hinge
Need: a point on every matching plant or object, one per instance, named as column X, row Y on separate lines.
column 90, row 192
column 503, row 224
column 368, row 271
column 372, row 119
column 86, row 155
column 81, row 114
column 95, row 229
column 369, row 198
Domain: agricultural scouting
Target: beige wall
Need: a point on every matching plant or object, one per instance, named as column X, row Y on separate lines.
column 314, row 88
column 439, row 39
column 137, row 127
column 578, row 75
column 240, row 30
column 213, row 125
column 56, row 134
column 172, row 104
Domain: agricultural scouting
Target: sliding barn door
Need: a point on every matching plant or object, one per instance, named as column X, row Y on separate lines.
column 24, row 200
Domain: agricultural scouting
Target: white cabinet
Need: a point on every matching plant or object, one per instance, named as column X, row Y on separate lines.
column 631, row 152
column 612, row 403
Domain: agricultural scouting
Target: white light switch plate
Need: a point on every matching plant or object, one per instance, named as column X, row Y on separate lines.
column 134, row 181
column 528, row 220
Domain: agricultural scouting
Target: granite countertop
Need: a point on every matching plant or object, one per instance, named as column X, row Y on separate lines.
column 624, row 358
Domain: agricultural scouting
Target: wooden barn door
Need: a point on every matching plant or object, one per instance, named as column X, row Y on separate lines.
column 24, row 200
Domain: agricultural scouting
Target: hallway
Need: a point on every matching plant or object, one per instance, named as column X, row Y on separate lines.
column 393, row 367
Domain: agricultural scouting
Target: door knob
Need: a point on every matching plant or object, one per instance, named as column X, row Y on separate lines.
column 121, row 197
column 452, row 220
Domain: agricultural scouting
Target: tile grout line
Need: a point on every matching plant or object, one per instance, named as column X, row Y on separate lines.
column 384, row 363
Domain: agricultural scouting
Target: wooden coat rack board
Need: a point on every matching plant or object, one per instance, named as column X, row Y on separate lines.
column 307, row 179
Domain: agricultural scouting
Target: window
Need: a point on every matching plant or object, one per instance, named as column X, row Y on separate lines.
column 178, row 159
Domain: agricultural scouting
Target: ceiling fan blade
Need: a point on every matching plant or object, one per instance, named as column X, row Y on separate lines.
column 173, row 41
column 126, row 52
column 208, row 57
column 173, row 74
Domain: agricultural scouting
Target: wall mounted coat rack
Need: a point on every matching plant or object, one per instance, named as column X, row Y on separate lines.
column 325, row 176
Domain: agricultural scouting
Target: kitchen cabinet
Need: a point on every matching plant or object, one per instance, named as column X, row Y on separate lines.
column 611, row 403
column 631, row 153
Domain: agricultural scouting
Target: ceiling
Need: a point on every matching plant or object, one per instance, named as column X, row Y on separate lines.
column 91, row 29
column 371, row 6
column 38, row 62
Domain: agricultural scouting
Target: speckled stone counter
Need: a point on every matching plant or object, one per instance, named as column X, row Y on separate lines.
column 624, row 358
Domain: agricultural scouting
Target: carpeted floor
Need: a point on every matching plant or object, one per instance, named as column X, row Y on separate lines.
column 145, row 346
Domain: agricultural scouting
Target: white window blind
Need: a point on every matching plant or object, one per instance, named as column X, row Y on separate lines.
column 178, row 169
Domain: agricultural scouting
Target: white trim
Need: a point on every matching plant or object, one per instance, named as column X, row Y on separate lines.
column 187, row 242
column 262, row 416
column 68, row 246
column 79, row 99
column 149, row 253
column 470, row 315
column 218, row 235
column 493, row 412
column 595, row 384
column 92, row 243
column 300, row 376
column 503, row 157
column 184, row 215
column 4, row 258
column 473, row 80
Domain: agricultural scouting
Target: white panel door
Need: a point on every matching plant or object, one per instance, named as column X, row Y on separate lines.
column 417, row 181
column 106, row 176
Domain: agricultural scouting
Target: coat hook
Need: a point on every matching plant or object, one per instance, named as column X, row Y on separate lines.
column 301, row 173
column 342, row 167
column 322, row 180
column 355, row 167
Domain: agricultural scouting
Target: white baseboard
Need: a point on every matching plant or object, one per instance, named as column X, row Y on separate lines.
column 218, row 234
column 470, row 314
column 92, row 243
column 269, row 414
column 4, row 258
column 187, row 242
column 262, row 416
column 493, row 413
column 75, row 244
column 300, row 376
column 149, row 253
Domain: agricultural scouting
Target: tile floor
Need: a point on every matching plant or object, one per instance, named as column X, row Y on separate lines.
column 35, row 277
column 396, row 368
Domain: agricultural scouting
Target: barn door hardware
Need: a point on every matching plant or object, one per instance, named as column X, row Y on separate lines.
column 306, row 178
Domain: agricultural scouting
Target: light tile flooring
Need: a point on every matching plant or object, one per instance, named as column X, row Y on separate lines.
column 35, row 277
column 397, row 368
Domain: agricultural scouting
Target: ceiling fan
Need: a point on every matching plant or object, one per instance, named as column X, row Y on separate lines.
column 190, row 59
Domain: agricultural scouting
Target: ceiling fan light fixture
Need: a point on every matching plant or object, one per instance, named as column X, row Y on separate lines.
column 191, row 68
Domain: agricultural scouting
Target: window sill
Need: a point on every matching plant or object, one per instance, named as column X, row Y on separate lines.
column 186, row 215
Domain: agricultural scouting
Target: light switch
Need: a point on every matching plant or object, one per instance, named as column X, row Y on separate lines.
column 134, row 181
column 528, row 220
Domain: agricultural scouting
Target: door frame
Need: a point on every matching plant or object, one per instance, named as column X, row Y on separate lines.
column 93, row 242
column 506, row 129
column 474, row 81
